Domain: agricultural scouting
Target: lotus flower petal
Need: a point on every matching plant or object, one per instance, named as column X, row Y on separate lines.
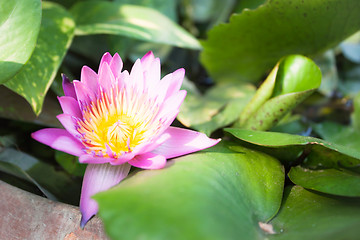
column 148, row 161
column 89, row 78
column 147, row 59
column 68, row 87
column 106, row 77
column 98, row 178
column 70, row 106
column 116, row 65
column 69, row 123
column 59, row 139
column 106, row 58
column 183, row 141
column 83, row 93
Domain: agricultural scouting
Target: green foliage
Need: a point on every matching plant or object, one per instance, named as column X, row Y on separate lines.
column 292, row 80
column 333, row 181
column 256, row 39
column 329, row 72
column 308, row 215
column 212, row 110
column 345, row 156
column 53, row 184
column 55, row 36
column 70, row 163
column 166, row 7
column 96, row 17
column 339, row 134
column 135, row 49
column 219, row 194
column 236, row 189
column 248, row 4
column 19, row 28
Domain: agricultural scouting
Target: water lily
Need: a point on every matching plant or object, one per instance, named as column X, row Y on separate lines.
column 114, row 119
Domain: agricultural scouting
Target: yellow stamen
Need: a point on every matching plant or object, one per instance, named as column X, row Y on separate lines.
column 118, row 120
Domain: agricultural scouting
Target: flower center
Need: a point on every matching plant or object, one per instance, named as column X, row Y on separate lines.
column 117, row 122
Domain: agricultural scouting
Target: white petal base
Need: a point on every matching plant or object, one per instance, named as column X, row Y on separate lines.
column 98, row 178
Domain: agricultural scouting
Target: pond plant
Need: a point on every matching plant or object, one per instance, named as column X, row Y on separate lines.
column 251, row 130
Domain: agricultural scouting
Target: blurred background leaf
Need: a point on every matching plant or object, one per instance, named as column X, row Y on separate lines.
column 220, row 106
column 15, row 107
column 276, row 29
column 55, row 37
column 53, row 183
column 19, row 29
column 97, row 17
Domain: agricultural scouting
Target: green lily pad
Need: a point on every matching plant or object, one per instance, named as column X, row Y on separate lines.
column 253, row 41
column 292, row 80
column 19, row 29
column 218, row 194
column 332, row 181
column 308, row 215
column 320, row 153
column 296, row 74
column 146, row 24
column 218, row 107
column 55, row 36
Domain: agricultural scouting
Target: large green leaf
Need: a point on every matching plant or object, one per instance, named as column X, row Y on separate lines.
column 307, row 215
column 19, row 28
column 332, row 181
column 133, row 48
column 254, row 40
column 292, row 80
column 55, row 36
column 146, row 24
column 13, row 106
column 220, row 106
column 319, row 153
column 219, row 194
column 296, row 74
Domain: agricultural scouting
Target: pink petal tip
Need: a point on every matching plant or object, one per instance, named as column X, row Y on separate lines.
column 183, row 141
column 98, row 178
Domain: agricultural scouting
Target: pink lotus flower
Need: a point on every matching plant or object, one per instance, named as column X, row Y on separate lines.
column 114, row 119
